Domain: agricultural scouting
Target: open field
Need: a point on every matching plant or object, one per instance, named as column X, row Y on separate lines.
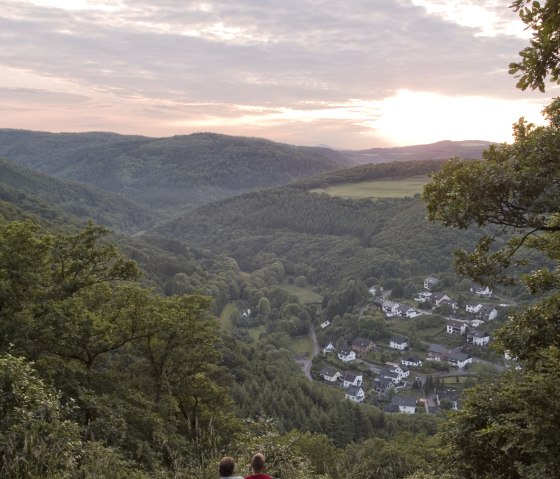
column 377, row 189
column 305, row 295
column 302, row 346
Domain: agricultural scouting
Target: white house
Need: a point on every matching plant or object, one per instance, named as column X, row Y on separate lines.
column 473, row 308
column 482, row 291
column 392, row 376
column 346, row 355
column 405, row 404
column 437, row 352
column 478, row 338
column 355, row 393
column 350, row 378
column 422, row 296
column 413, row 361
column 330, row 374
column 458, row 359
column 488, row 313
column 402, row 371
column 406, row 311
column 398, row 342
column 454, row 326
column 325, row 324
column 440, row 299
column 329, row 348
column 390, row 308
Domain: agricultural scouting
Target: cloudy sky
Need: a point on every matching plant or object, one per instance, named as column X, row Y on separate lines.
column 346, row 73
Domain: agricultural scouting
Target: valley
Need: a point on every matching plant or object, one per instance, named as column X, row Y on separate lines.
column 257, row 302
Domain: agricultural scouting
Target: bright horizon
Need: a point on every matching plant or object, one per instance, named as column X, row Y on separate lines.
column 351, row 75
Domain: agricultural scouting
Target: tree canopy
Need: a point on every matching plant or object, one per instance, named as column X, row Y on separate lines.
column 507, row 428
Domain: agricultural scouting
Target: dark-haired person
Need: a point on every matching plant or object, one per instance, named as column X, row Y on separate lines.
column 227, row 465
column 258, row 466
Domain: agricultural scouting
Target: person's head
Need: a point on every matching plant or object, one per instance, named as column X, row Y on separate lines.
column 227, row 465
column 257, row 463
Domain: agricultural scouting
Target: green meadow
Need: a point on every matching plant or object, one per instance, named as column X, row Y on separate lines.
column 387, row 188
column 305, row 295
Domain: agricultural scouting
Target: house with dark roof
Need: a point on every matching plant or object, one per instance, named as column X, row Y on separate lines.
column 351, row 378
column 362, row 345
column 437, row 352
column 459, row 359
column 355, row 393
column 346, row 355
column 487, row 312
column 455, row 326
column 383, row 386
column 405, row 404
column 329, row 374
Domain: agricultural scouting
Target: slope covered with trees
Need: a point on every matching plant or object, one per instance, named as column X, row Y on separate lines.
column 38, row 192
column 168, row 174
column 322, row 238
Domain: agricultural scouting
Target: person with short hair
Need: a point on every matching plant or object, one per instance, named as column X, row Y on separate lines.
column 258, row 466
column 227, row 465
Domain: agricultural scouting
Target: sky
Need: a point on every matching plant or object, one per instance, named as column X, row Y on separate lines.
column 344, row 73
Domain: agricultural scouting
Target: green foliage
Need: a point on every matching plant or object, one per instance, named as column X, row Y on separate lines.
column 35, row 439
column 508, row 428
column 141, row 371
column 337, row 240
column 514, row 189
column 379, row 171
column 44, row 195
column 540, row 59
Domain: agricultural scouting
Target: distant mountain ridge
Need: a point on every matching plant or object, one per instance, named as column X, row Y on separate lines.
column 167, row 174
column 441, row 150
column 174, row 174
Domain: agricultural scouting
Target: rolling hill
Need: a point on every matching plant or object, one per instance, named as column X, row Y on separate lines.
column 167, row 174
column 46, row 197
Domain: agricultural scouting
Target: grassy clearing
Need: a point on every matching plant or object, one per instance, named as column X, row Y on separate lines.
column 225, row 317
column 377, row 189
column 305, row 295
column 302, row 346
column 256, row 332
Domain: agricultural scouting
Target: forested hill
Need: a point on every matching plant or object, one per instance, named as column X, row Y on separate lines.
column 323, row 238
column 168, row 174
column 370, row 172
column 47, row 197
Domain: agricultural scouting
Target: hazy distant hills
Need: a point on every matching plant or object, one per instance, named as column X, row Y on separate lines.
column 46, row 197
column 167, row 174
column 433, row 151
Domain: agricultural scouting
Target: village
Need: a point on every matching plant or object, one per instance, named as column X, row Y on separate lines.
column 429, row 377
